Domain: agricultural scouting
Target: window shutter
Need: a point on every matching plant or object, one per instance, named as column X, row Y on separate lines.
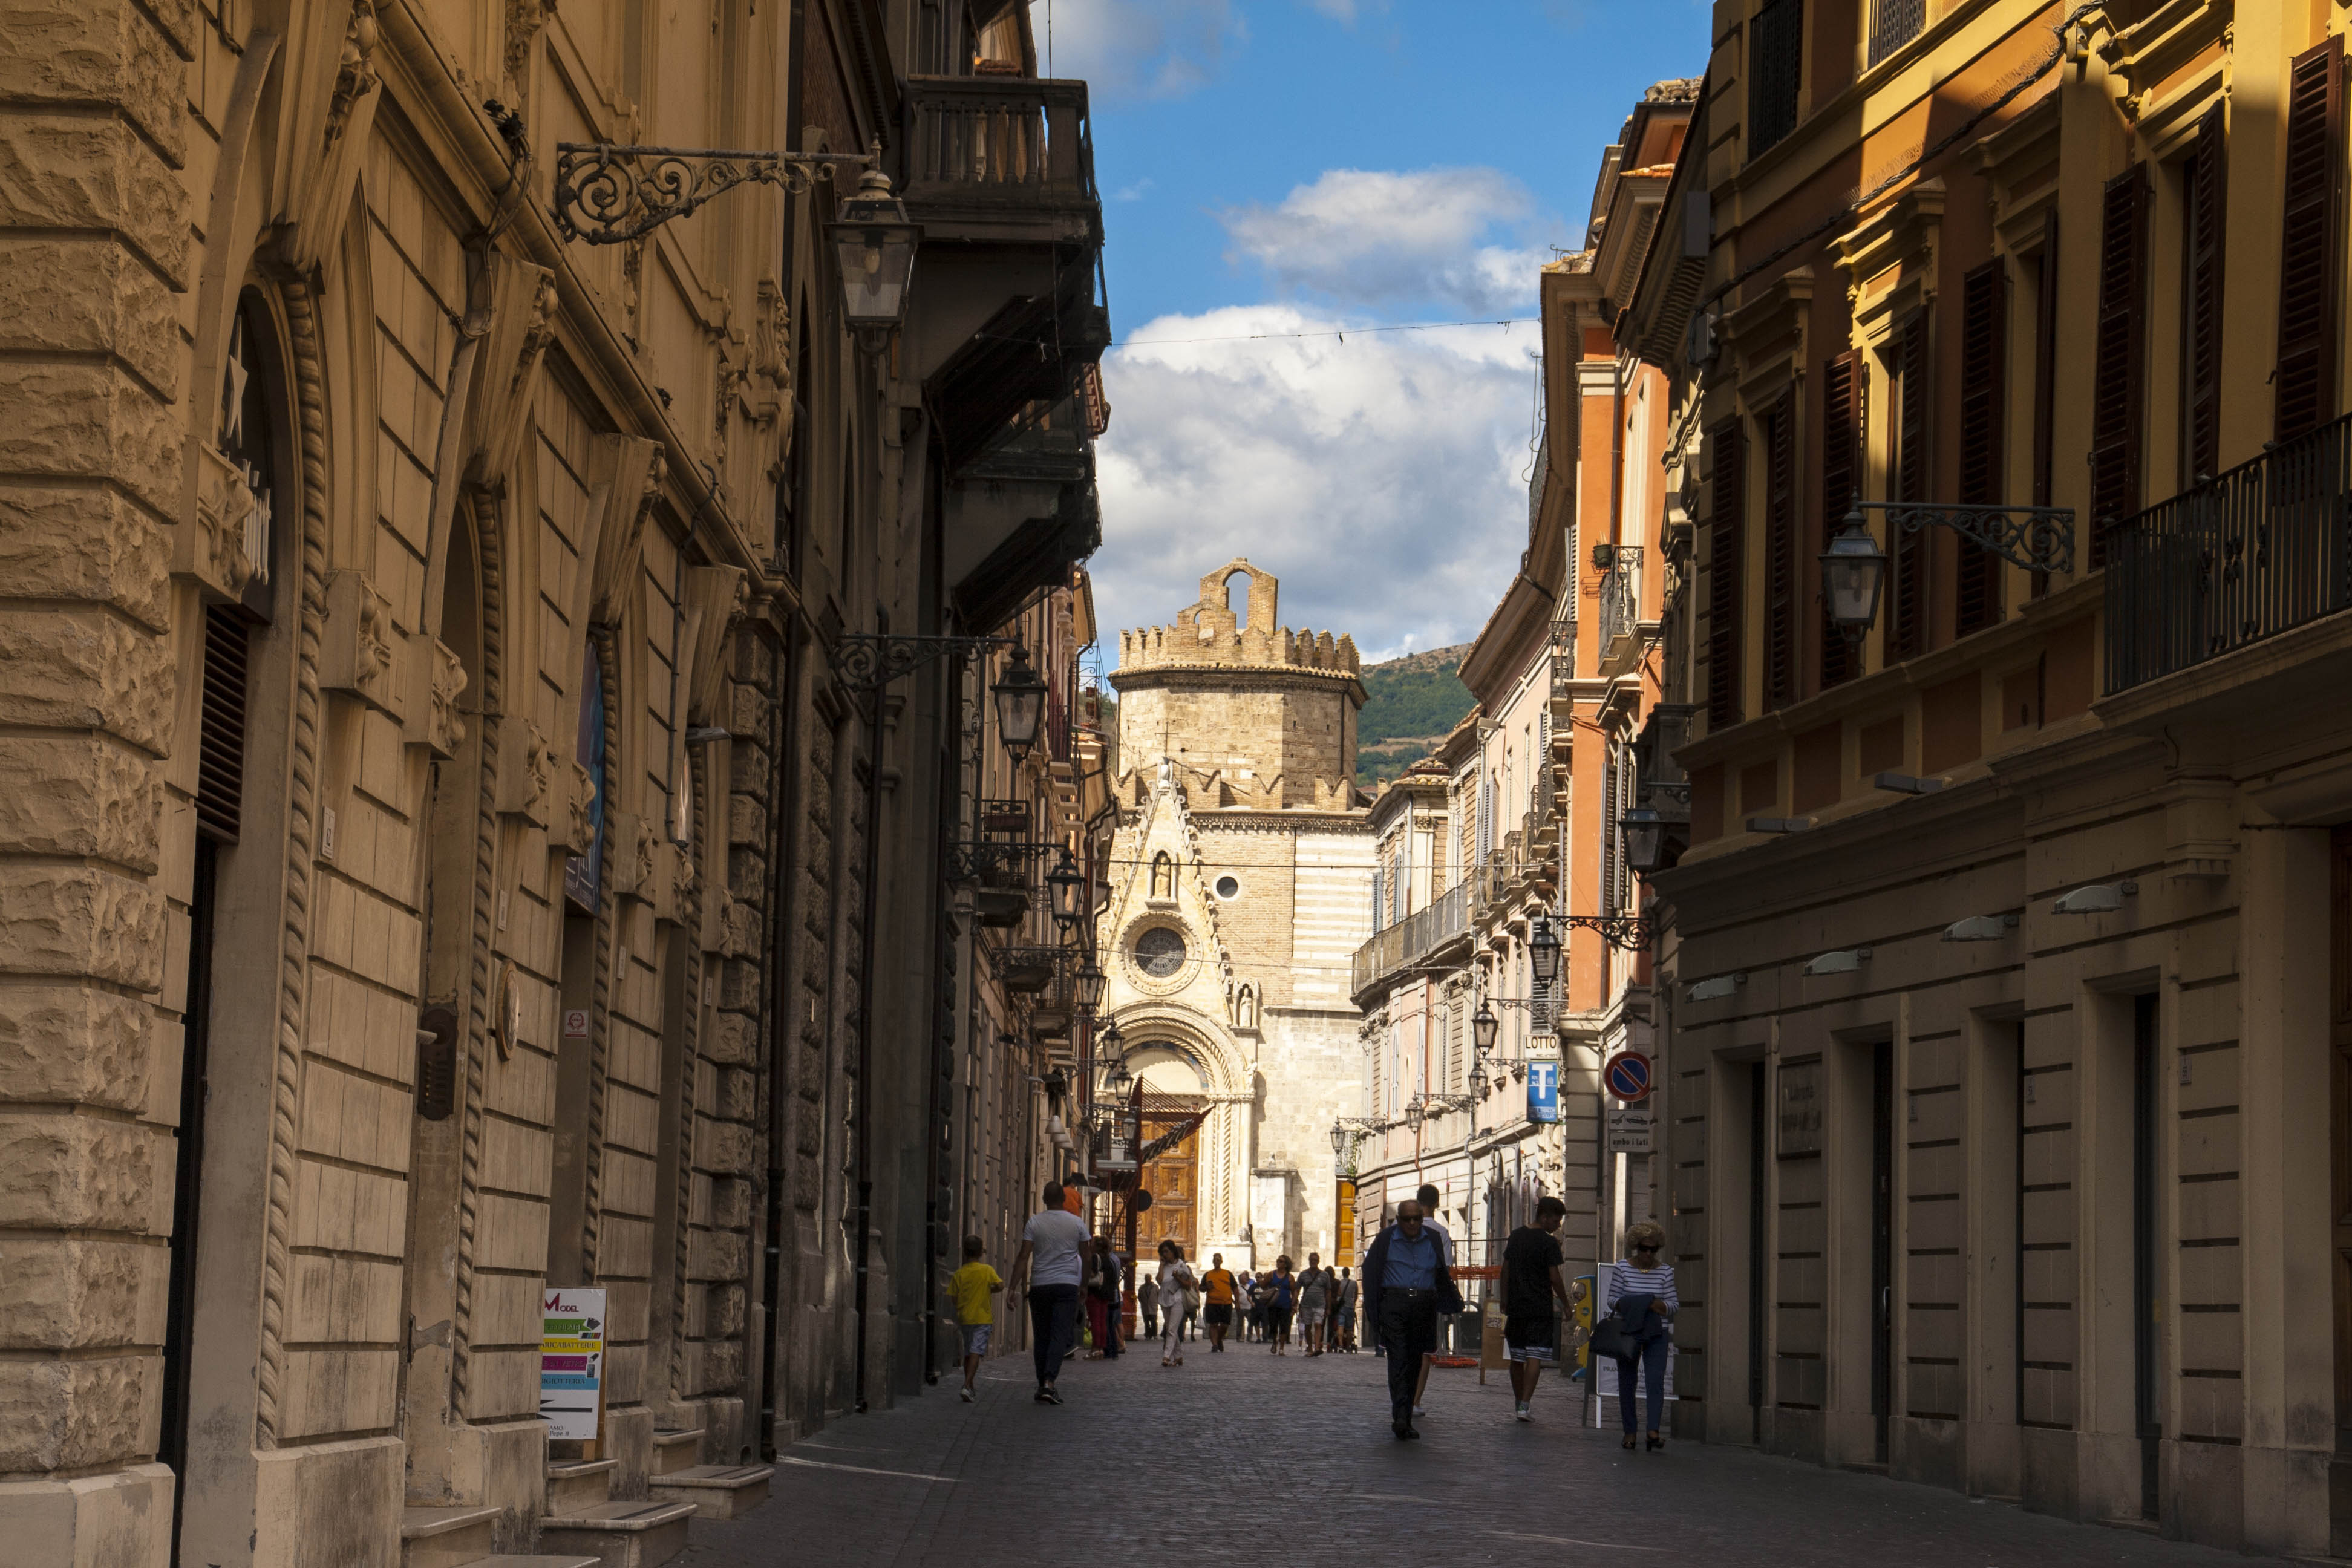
column 2207, row 169
column 1984, row 323
column 1906, row 625
column 1727, row 539
column 2304, row 386
column 1610, row 812
column 1780, row 553
column 1775, row 48
column 1845, row 393
column 220, row 757
column 2116, row 355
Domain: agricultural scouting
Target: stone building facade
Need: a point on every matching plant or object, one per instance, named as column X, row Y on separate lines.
column 446, row 849
column 2002, row 972
column 1237, row 895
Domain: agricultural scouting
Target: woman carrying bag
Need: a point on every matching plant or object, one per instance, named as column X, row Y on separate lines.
column 1641, row 1302
column 1178, row 1291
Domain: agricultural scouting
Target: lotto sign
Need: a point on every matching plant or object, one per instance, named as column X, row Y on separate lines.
column 1627, row 1076
column 572, row 1363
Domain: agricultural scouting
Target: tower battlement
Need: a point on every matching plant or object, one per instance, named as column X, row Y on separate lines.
column 1208, row 634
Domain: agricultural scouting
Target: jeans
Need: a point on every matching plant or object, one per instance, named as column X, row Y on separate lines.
column 1053, row 1327
column 1651, row 1357
column 1408, row 1331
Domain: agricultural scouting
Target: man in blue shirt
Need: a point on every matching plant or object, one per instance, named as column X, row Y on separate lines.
column 1407, row 1282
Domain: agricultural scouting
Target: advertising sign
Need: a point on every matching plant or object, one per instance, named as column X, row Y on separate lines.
column 1543, row 1091
column 572, row 1363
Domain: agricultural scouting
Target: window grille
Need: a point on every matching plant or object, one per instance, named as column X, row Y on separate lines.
column 1776, row 52
column 1892, row 24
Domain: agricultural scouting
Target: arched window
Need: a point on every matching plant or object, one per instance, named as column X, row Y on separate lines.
column 1237, row 591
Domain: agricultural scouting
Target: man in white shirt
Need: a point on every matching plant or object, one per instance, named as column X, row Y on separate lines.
column 1056, row 1240
column 1427, row 1198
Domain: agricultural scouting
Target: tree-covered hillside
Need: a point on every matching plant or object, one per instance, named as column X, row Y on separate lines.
column 1411, row 704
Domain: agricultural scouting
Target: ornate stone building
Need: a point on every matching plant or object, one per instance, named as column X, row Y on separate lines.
column 1240, row 867
column 449, row 846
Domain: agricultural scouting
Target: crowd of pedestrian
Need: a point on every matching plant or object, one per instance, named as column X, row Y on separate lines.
column 1406, row 1287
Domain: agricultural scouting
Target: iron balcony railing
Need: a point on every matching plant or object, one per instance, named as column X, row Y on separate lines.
column 2253, row 551
column 1621, row 596
column 1412, row 938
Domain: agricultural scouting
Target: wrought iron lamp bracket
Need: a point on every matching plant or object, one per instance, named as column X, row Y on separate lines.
column 2037, row 538
column 866, row 661
column 1629, row 932
column 969, row 861
column 607, row 194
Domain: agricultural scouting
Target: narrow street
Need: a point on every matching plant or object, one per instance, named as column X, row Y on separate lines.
column 1242, row 1453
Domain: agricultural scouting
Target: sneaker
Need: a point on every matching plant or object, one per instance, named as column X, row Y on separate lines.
column 1523, row 1411
column 967, row 1394
column 1047, row 1394
column 1417, row 1410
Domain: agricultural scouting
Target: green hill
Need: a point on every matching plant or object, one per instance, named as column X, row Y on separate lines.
column 1411, row 704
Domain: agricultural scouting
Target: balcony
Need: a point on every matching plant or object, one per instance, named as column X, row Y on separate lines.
column 1411, row 941
column 1005, row 159
column 2256, row 551
column 1621, row 596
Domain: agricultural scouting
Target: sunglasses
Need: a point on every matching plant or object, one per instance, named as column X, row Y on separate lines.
column 1646, row 1247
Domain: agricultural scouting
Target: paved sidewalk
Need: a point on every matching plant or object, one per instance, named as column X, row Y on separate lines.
column 1242, row 1449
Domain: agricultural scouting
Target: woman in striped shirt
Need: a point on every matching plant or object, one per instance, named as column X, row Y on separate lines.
column 1642, row 1294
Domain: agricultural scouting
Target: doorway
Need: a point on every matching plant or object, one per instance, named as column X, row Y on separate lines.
column 1882, row 1239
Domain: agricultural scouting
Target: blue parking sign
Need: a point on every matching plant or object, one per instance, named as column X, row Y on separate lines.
column 1543, row 1091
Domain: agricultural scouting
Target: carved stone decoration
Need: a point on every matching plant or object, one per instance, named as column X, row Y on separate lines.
column 435, row 680
column 636, row 842
column 628, row 469
column 210, row 548
column 527, row 790
column 771, row 361
column 681, row 876
column 359, row 651
column 331, row 94
column 525, row 18
column 715, row 599
column 580, row 819
column 523, row 305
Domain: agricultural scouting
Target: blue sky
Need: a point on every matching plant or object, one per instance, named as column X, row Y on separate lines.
column 1312, row 165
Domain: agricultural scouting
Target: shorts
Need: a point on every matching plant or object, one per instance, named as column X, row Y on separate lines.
column 1277, row 1320
column 1530, row 1336
column 1345, row 1318
column 1311, row 1316
column 975, row 1337
column 1218, row 1317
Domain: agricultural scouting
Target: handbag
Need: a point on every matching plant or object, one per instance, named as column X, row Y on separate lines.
column 1610, row 1339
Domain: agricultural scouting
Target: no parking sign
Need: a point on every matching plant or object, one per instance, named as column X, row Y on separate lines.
column 1627, row 1076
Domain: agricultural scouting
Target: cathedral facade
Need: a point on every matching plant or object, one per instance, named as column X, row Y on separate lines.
column 1240, row 891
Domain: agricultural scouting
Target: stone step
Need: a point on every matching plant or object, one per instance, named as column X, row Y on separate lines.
column 717, row 1491
column 446, row 1537
column 623, row 1534
column 677, row 1450
column 576, row 1484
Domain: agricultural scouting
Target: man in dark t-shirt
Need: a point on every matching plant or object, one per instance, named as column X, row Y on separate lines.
column 1531, row 1282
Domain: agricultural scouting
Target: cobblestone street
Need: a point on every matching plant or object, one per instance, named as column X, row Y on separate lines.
column 1238, row 1450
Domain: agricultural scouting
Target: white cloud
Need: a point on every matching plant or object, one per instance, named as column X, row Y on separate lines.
column 1135, row 48
column 1372, row 236
column 1381, row 480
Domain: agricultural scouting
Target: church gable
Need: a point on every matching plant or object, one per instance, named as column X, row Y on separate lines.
column 1166, row 936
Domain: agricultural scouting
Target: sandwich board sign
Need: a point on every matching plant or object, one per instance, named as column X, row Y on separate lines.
column 571, row 1363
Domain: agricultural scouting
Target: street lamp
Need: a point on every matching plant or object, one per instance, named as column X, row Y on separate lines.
column 1478, row 1079
column 1414, row 1110
column 1110, row 1039
column 875, row 244
column 1020, row 704
column 1854, row 573
column 1645, row 839
column 1090, row 984
column 1543, row 950
column 1064, row 884
column 1119, row 1080
column 1338, row 1142
column 1483, row 1025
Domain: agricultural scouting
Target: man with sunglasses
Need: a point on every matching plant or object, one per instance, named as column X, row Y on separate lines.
column 1408, row 1281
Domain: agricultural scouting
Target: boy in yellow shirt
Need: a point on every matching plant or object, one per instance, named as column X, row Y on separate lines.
column 973, row 1286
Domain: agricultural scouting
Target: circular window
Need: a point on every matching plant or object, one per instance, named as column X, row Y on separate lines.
column 1159, row 953
column 1229, row 887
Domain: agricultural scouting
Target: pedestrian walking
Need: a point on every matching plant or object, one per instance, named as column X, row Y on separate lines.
column 1407, row 1282
column 1643, row 1302
column 1147, row 1302
column 1427, row 1197
column 973, row 1287
column 1314, row 1303
column 1531, row 1282
column 1343, row 1312
column 1217, row 1313
column 1102, row 1299
column 1052, row 1261
column 1174, row 1286
column 1253, row 1309
column 1281, row 1295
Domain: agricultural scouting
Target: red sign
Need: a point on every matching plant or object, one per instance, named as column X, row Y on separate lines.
column 1627, row 1076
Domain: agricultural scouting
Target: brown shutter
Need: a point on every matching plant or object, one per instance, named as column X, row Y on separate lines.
column 2045, row 370
column 2116, row 379
column 2304, row 386
column 1906, row 626
column 2201, row 332
column 220, row 754
column 1984, row 321
column 1845, row 400
column 1780, row 551
column 1726, row 586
